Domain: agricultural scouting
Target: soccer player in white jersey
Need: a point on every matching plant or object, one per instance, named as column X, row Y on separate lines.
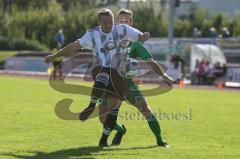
column 133, row 94
column 109, row 43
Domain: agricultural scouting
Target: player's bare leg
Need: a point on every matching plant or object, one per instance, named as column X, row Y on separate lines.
column 104, row 109
column 101, row 82
column 110, row 120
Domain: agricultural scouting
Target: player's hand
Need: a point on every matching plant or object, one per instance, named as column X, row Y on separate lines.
column 49, row 58
column 144, row 37
column 167, row 78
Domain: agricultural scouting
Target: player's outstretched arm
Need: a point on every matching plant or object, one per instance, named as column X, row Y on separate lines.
column 134, row 34
column 159, row 70
column 70, row 48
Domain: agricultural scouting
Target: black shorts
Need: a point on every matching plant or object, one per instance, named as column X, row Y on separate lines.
column 115, row 87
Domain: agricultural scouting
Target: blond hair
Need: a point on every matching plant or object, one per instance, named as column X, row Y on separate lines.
column 125, row 11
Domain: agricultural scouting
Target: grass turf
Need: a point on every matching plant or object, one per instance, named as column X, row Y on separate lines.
column 31, row 130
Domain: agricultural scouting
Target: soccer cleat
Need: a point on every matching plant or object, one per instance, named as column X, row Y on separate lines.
column 86, row 112
column 103, row 143
column 118, row 137
column 163, row 144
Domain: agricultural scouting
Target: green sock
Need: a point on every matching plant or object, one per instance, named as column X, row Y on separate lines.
column 155, row 127
column 119, row 128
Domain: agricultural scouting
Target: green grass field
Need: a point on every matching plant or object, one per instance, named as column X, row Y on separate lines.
column 31, row 130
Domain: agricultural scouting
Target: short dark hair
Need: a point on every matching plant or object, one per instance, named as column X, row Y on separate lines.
column 125, row 11
column 104, row 12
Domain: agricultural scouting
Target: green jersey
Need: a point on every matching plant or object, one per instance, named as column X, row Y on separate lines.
column 138, row 50
column 132, row 91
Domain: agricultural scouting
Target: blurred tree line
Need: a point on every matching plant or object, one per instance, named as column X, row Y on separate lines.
column 32, row 24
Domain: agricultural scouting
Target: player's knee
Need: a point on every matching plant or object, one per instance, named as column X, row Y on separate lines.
column 102, row 78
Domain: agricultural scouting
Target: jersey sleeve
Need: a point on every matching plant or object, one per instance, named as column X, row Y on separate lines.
column 85, row 41
column 132, row 33
column 138, row 50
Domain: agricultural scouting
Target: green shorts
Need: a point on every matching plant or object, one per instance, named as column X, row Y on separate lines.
column 131, row 92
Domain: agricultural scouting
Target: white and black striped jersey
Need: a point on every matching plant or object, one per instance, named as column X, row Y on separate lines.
column 110, row 49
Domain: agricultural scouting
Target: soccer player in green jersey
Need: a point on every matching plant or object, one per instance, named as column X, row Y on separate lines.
column 132, row 93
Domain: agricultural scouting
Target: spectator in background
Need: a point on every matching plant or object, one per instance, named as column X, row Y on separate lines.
column 196, row 33
column 194, row 74
column 208, row 76
column 176, row 60
column 224, row 68
column 213, row 33
column 225, row 33
column 204, row 73
column 219, row 71
column 59, row 39
column 201, row 71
